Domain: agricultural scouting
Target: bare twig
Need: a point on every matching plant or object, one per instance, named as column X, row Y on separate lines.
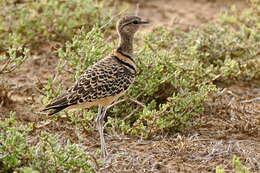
column 125, row 99
column 40, row 91
column 228, row 91
column 128, row 116
column 5, row 66
column 12, row 68
column 137, row 102
column 93, row 158
column 117, row 102
column 137, row 9
column 254, row 100
column 112, row 18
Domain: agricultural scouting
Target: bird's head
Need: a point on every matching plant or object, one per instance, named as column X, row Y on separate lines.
column 128, row 25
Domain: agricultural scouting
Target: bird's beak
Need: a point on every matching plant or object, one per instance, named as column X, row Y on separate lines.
column 144, row 22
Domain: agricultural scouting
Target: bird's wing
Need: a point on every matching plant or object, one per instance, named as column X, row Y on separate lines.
column 105, row 78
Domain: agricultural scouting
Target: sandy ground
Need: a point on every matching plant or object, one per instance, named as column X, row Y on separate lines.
column 230, row 126
column 184, row 13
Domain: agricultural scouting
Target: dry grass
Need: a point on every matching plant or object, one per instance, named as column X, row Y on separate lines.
column 230, row 128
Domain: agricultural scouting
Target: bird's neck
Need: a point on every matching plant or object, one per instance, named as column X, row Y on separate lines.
column 126, row 43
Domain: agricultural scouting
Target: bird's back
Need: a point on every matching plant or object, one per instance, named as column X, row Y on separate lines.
column 101, row 83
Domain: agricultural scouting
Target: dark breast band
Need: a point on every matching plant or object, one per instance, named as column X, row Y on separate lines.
column 124, row 63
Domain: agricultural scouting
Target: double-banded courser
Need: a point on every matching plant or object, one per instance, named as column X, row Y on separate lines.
column 106, row 80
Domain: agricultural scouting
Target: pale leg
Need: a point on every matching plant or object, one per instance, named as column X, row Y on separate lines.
column 100, row 126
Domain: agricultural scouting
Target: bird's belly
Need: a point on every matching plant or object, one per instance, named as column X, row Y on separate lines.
column 103, row 101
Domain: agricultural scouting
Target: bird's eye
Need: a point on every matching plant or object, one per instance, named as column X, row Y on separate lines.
column 135, row 22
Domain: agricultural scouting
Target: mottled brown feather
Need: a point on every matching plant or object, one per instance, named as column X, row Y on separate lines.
column 106, row 80
column 101, row 84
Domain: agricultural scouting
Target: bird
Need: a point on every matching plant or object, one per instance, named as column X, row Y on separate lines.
column 106, row 80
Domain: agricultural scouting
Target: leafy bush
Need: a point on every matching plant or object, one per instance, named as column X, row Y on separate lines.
column 20, row 152
column 177, row 70
column 37, row 22
column 26, row 25
column 84, row 49
column 10, row 61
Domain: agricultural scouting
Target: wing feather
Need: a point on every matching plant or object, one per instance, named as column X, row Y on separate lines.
column 105, row 78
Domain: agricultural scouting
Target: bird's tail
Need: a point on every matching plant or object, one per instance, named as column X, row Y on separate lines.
column 55, row 110
column 58, row 104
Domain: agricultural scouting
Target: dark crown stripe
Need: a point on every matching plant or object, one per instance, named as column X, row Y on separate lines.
column 128, row 56
column 128, row 23
column 124, row 63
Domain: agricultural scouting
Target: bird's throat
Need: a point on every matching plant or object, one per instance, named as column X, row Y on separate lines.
column 126, row 43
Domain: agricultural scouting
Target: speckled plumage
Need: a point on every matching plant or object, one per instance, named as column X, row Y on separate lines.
column 106, row 80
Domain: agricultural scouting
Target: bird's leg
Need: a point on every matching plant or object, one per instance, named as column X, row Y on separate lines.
column 100, row 126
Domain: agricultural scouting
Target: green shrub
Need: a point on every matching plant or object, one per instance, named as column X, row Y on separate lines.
column 38, row 22
column 177, row 70
column 84, row 49
column 12, row 59
column 239, row 168
column 21, row 152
